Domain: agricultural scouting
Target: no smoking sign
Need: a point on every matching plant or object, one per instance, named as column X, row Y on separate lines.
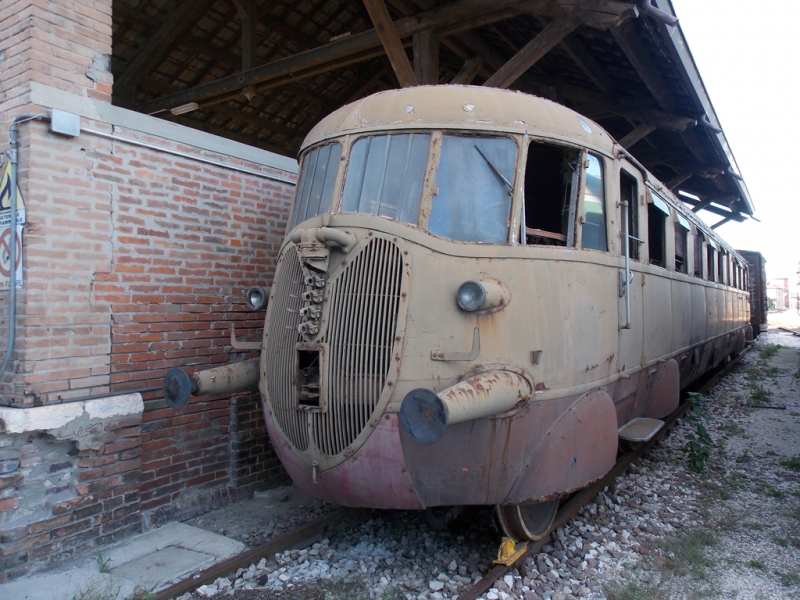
column 5, row 257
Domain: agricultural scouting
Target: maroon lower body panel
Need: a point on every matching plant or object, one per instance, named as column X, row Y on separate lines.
column 374, row 477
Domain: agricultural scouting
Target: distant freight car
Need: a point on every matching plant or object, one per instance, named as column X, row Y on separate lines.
column 757, row 286
column 478, row 294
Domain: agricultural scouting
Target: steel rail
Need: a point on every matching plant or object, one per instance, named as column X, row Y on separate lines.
column 298, row 537
column 586, row 495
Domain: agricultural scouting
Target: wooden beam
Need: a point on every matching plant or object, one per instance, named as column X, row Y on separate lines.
column 247, row 19
column 467, row 73
column 587, row 63
column 638, row 134
column 426, row 57
column 679, row 178
column 448, row 19
column 183, row 17
column 523, row 60
column 390, row 40
column 639, row 56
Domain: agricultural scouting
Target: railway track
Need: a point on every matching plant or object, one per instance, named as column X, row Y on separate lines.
column 309, row 533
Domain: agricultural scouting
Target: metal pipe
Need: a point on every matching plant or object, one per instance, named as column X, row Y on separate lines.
column 657, row 13
column 111, row 136
column 13, row 157
column 227, row 379
column 425, row 415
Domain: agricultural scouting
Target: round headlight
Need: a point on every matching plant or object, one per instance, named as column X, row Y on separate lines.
column 471, row 295
column 256, row 298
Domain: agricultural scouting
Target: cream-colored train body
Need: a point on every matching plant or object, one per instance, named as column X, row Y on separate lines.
column 450, row 322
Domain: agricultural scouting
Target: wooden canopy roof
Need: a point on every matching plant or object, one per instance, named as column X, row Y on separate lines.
column 264, row 72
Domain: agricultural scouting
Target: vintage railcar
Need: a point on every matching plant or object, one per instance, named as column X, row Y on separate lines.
column 478, row 291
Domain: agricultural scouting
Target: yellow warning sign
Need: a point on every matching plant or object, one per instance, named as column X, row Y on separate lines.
column 5, row 199
column 7, row 270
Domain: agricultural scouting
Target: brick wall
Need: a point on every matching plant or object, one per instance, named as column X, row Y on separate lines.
column 137, row 252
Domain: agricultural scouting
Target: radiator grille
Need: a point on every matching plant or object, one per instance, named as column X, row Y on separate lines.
column 360, row 338
column 282, row 338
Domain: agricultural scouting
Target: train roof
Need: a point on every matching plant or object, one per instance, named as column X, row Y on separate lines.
column 463, row 107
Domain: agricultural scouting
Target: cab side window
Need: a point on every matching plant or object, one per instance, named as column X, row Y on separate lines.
column 551, row 175
column 593, row 219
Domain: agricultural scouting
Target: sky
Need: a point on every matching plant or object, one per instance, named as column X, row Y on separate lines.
column 749, row 59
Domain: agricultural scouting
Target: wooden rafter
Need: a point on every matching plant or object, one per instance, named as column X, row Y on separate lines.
column 639, row 56
column 384, row 27
column 426, row 57
column 638, row 134
column 467, row 73
column 182, row 18
column 449, row 18
column 523, row 60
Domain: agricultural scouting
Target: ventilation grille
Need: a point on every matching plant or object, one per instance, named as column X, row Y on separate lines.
column 360, row 338
column 282, row 339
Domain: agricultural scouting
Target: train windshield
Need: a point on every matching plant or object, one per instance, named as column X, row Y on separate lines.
column 315, row 187
column 474, row 182
column 385, row 176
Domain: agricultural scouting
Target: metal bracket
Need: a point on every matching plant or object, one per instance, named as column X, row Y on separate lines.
column 471, row 355
column 237, row 345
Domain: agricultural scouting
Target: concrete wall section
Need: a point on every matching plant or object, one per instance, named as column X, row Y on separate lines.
column 68, row 479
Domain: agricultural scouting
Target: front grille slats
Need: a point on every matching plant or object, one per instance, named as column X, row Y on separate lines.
column 282, row 338
column 364, row 299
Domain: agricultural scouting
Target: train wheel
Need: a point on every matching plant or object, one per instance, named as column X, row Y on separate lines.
column 527, row 521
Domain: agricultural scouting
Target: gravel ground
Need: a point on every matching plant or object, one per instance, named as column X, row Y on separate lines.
column 661, row 530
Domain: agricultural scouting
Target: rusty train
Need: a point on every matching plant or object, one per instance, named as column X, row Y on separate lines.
column 479, row 294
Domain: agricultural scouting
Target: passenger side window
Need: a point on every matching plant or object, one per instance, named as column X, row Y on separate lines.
column 657, row 213
column 698, row 254
column 681, row 229
column 710, row 262
column 593, row 219
column 551, row 182
column 629, row 193
column 721, row 266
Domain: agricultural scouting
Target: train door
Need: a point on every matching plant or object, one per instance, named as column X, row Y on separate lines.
column 631, row 331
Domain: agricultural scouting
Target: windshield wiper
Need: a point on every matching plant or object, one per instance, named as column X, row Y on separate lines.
column 494, row 169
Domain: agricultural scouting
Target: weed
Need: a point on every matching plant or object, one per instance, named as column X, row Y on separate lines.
column 699, row 442
column 687, row 553
column 756, row 563
column 754, row 526
column 630, row 591
column 99, row 588
column 781, row 542
column 770, row 350
column 103, row 563
column 733, row 429
column 792, row 463
column 773, row 492
column 789, row 578
column 759, row 396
